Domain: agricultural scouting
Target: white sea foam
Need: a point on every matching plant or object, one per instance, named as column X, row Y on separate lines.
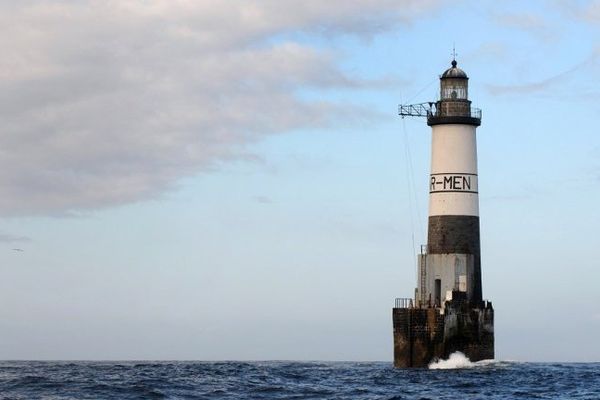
column 458, row 360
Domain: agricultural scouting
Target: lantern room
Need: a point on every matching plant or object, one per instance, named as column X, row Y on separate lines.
column 454, row 106
column 454, row 84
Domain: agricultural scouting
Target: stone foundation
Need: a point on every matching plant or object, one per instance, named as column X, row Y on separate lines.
column 423, row 335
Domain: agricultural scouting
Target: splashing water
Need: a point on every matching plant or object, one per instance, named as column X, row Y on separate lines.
column 455, row 361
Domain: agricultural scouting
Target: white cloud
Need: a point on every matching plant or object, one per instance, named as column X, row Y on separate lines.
column 543, row 85
column 108, row 102
column 8, row 238
column 588, row 11
column 533, row 24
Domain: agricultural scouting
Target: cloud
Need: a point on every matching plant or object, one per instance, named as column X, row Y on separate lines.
column 588, row 11
column 110, row 102
column 489, row 52
column 263, row 199
column 7, row 238
column 543, row 84
column 533, row 24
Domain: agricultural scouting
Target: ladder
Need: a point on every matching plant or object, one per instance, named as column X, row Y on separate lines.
column 423, row 271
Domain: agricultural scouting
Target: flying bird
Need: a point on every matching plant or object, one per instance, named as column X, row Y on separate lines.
column 18, row 250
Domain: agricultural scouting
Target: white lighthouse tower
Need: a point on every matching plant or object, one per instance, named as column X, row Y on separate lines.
column 452, row 261
column 448, row 312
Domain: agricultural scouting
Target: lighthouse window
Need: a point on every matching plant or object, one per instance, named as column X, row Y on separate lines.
column 454, row 89
column 454, row 92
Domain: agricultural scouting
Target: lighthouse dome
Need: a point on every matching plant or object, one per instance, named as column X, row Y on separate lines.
column 454, row 72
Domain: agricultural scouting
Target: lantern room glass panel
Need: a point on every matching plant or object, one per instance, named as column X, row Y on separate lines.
column 454, row 89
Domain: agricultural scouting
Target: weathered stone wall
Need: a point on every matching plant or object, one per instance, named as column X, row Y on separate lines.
column 418, row 336
column 469, row 330
column 422, row 335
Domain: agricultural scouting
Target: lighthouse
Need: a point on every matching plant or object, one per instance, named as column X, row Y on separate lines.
column 448, row 313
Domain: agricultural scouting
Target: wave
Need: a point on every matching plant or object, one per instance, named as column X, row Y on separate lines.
column 274, row 380
column 458, row 360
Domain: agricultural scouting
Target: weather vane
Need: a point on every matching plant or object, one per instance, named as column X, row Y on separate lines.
column 453, row 52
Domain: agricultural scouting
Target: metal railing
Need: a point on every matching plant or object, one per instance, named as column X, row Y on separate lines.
column 403, row 302
column 454, row 110
column 431, row 109
column 416, row 110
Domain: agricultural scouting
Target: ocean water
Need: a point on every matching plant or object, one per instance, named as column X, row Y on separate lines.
column 456, row 378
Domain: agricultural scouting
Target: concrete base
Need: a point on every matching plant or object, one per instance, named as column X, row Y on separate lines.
column 423, row 335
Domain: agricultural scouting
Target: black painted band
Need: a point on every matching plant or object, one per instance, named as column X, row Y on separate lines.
column 453, row 234
column 463, row 120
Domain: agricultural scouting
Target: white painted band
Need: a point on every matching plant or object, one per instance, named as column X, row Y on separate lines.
column 453, row 183
column 453, row 203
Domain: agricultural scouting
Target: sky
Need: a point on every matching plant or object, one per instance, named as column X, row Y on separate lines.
column 230, row 180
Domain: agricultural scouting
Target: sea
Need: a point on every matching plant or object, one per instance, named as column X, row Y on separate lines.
column 455, row 378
